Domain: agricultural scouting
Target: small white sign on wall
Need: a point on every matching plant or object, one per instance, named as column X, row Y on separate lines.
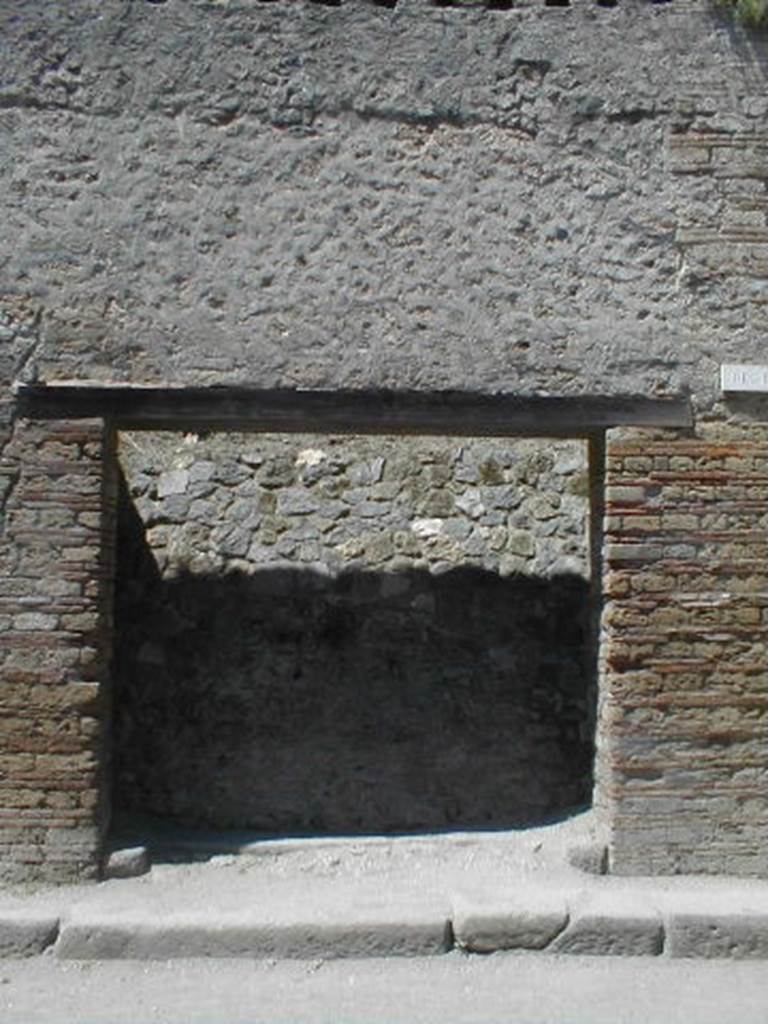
column 743, row 377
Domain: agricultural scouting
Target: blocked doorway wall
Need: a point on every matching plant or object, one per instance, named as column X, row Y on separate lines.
column 330, row 634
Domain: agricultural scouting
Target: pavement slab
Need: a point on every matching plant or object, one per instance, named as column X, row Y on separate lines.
column 524, row 988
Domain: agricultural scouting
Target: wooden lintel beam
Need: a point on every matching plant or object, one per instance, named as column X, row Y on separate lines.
column 350, row 412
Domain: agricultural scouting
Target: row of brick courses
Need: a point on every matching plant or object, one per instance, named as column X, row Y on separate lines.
column 55, row 564
column 682, row 656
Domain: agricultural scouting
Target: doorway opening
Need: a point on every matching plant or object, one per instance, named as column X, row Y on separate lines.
column 346, row 635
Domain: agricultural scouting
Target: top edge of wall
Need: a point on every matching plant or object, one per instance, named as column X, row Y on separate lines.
column 452, row 7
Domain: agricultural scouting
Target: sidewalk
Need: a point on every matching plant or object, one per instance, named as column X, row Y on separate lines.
column 409, row 896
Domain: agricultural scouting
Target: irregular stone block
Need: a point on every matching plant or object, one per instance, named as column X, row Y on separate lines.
column 521, row 543
column 427, row 527
column 127, row 863
column 174, row 481
column 296, row 502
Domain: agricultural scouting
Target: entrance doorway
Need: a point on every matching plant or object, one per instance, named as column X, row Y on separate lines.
column 343, row 634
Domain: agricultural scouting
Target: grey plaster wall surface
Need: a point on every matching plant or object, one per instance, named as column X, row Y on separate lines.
column 422, row 196
column 19, row 341
column 365, row 634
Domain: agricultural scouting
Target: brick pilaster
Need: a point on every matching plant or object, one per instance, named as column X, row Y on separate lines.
column 55, row 596
column 683, row 751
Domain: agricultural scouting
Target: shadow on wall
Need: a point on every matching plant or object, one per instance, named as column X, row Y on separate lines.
column 287, row 701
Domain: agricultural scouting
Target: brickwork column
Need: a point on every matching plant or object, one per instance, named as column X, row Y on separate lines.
column 683, row 737
column 56, row 542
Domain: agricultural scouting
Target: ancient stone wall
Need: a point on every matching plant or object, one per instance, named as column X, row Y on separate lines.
column 353, row 634
column 539, row 200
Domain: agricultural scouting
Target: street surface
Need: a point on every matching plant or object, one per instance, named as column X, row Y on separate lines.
column 450, row 989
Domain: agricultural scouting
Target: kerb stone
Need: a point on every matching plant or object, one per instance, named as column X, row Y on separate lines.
column 741, row 933
column 612, row 924
column 26, row 931
column 527, row 919
column 367, row 929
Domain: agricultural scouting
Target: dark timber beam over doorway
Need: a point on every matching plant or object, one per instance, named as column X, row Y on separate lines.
column 354, row 412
